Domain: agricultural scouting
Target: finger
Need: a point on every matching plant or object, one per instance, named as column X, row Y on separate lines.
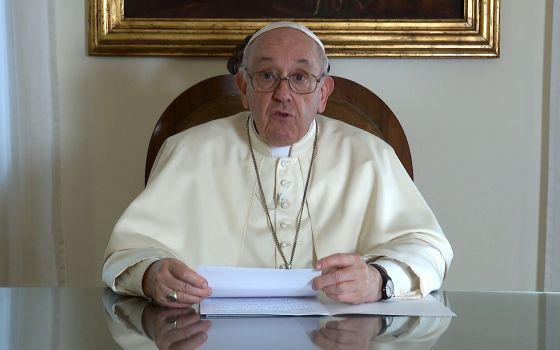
column 336, row 276
column 322, row 342
column 163, row 292
column 179, row 318
column 179, row 334
column 184, row 298
column 193, row 342
column 340, row 260
column 334, row 324
column 339, row 336
column 187, row 320
column 351, row 298
column 170, row 316
column 354, row 324
column 175, row 304
column 352, row 286
column 159, row 283
column 187, row 294
column 184, row 288
column 185, row 274
column 170, row 320
column 198, row 327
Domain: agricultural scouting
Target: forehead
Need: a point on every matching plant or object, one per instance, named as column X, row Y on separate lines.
column 284, row 46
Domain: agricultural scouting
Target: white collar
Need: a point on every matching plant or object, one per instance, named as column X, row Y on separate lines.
column 279, row 152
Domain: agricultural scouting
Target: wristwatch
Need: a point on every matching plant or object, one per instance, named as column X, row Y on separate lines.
column 386, row 322
column 387, row 287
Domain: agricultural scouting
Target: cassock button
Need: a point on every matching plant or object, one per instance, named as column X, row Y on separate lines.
column 285, row 204
column 283, row 225
column 283, row 163
column 283, row 182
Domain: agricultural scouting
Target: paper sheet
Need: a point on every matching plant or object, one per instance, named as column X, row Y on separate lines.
column 256, row 282
column 280, row 306
column 305, row 306
column 427, row 306
column 252, row 291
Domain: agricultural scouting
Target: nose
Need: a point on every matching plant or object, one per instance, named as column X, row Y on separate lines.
column 283, row 91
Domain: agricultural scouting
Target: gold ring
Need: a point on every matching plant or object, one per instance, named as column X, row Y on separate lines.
column 172, row 296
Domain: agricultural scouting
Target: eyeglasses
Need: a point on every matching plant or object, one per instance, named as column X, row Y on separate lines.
column 301, row 83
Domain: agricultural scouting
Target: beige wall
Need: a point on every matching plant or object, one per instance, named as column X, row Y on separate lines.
column 474, row 127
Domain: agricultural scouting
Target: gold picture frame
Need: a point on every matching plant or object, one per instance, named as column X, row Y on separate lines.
column 476, row 35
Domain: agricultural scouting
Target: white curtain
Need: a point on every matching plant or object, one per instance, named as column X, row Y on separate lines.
column 30, row 318
column 5, row 313
column 552, row 255
column 31, row 244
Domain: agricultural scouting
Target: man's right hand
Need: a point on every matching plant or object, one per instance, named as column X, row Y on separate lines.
column 167, row 275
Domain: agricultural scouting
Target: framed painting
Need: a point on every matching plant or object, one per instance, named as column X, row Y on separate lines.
column 348, row 28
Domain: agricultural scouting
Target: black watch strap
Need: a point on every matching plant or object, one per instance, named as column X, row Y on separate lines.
column 387, row 289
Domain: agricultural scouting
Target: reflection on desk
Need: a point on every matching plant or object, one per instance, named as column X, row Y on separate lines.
column 75, row 318
column 136, row 323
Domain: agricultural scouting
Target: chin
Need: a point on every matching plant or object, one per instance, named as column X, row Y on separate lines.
column 283, row 139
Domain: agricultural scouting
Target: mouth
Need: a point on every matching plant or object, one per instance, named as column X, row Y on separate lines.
column 281, row 114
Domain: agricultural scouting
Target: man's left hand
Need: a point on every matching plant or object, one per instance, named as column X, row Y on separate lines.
column 348, row 279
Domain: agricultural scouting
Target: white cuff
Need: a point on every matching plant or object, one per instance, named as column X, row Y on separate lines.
column 404, row 280
column 130, row 281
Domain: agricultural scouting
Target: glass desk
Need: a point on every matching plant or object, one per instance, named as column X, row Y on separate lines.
column 94, row 318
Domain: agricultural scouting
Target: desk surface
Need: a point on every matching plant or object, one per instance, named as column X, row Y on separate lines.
column 94, row 318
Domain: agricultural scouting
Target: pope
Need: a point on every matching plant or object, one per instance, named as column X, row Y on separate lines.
column 279, row 186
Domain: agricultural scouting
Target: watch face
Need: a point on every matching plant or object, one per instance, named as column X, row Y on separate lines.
column 390, row 289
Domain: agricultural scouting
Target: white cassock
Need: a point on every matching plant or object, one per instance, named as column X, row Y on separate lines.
column 202, row 205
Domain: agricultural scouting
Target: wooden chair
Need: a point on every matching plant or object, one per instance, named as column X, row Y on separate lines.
column 219, row 97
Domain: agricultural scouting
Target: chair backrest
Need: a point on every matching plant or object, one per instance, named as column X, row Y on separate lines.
column 219, row 97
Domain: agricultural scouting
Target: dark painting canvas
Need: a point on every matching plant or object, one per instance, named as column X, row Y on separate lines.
column 301, row 9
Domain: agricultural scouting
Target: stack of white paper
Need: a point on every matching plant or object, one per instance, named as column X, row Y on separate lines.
column 251, row 291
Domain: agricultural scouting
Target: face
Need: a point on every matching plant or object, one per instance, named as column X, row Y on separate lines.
column 283, row 117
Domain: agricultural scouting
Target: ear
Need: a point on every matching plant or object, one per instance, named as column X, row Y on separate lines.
column 242, row 85
column 326, row 90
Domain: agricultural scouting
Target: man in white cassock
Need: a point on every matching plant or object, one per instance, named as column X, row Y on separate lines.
column 279, row 186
